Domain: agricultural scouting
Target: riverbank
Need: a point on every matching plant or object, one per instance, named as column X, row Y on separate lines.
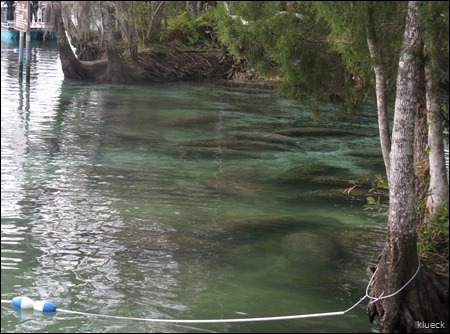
column 172, row 62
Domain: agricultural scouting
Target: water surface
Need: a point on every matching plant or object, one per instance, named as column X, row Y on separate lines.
column 166, row 201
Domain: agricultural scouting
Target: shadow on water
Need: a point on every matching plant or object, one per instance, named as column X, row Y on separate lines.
column 178, row 201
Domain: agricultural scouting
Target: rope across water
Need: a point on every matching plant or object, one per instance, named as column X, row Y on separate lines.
column 211, row 321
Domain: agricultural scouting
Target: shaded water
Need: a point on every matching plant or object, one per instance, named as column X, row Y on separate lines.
column 170, row 201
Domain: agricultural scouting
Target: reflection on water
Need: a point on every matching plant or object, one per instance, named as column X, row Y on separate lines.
column 179, row 201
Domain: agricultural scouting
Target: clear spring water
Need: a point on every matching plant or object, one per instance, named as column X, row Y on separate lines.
column 159, row 201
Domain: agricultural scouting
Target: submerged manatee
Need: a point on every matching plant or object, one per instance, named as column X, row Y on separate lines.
column 309, row 249
column 265, row 137
column 310, row 131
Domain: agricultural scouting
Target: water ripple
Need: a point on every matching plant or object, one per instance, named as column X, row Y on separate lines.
column 105, row 210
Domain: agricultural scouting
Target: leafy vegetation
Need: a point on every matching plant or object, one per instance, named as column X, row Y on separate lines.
column 192, row 30
column 285, row 40
column 433, row 240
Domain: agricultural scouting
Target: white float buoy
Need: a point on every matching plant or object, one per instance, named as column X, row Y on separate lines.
column 23, row 302
column 44, row 306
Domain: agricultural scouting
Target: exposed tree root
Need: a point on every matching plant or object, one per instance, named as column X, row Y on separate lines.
column 422, row 307
column 174, row 64
column 187, row 64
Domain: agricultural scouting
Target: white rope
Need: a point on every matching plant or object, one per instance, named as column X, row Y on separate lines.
column 375, row 299
column 211, row 321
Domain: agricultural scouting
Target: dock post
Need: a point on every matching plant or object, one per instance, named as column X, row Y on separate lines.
column 21, row 35
column 28, row 50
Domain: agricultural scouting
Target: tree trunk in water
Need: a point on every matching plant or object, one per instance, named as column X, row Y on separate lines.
column 82, row 37
column 111, row 69
column 71, row 66
column 399, row 311
column 117, row 71
column 380, row 89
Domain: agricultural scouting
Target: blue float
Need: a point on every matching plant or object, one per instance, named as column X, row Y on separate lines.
column 23, row 302
column 44, row 306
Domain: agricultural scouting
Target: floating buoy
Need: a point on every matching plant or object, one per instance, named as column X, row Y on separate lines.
column 23, row 302
column 44, row 306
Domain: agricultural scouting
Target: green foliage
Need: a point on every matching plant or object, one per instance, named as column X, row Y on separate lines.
column 192, row 30
column 433, row 239
column 237, row 38
column 435, row 17
column 142, row 13
column 319, row 48
column 284, row 39
column 348, row 23
column 378, row 184
column 373, row 203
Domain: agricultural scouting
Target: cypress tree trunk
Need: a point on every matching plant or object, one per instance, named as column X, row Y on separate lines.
column 399, row 258
column 71, row 66
column 421, row 162
column 421, row 301
column 117, row 71
column 109, row 69
column 380, row 89
column 438, row 190
column 154, row 27
column 124, row 11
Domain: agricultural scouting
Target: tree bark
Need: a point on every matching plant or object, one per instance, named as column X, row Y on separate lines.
column 117, row 71
column 399, row 258
column 425, row 299
column 124, row 11
column 380, row 89
column 71, row 66
column 398, row 262
column 154, row 27
column 421, row 162
column 438, row 189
